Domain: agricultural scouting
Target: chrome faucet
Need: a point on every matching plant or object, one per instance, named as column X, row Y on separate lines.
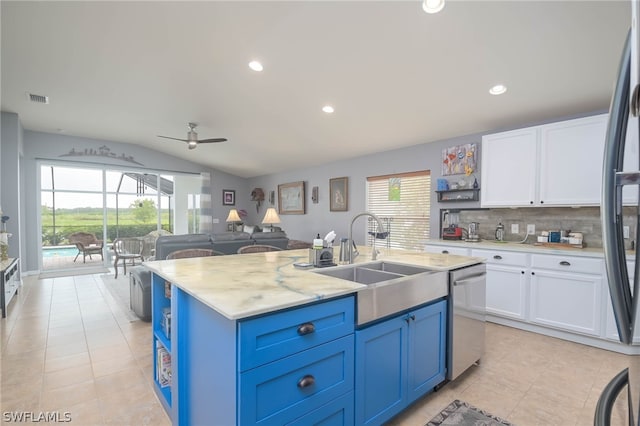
column 353, row 251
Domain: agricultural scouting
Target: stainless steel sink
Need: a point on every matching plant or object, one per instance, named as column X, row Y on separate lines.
column 391, row 287
column 359, row 275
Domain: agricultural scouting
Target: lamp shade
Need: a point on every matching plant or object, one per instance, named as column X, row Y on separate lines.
column 233, row 216
column 271, row 216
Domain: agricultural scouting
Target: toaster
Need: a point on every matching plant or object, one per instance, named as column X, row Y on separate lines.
column 452, row 233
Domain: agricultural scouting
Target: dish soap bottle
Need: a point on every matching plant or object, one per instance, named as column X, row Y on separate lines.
column 317, row 243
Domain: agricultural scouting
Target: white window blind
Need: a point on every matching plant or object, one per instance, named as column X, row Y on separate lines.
column 402, row 201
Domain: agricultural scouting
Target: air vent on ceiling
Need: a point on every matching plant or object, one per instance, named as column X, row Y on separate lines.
column 38, row 98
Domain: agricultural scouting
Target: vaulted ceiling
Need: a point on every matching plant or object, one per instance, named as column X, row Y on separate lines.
column 129, row 71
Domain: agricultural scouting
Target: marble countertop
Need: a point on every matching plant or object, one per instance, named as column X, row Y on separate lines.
column 240, row 286
column 528, row 248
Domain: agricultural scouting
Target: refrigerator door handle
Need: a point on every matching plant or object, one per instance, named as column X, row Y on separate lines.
column 612, row 232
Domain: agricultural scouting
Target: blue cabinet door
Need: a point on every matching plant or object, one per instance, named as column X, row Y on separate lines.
column 381, row 362
column 427, row 332
column 397, row 361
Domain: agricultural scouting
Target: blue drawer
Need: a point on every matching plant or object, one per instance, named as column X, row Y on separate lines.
column 287, row 389
column 338, row 412
column 265, row 339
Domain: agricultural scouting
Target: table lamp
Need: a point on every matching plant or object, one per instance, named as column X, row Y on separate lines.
column 233, row 218
column 271, row 217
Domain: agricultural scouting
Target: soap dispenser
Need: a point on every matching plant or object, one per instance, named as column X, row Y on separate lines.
column 318, row 243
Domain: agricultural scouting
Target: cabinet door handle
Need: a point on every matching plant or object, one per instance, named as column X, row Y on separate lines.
column 445, row 251
column 306, row 381
column 306, row 328
column 522, row 272
column 533, row 273
column 565, row 263
column 530, row 202
column 497, row 257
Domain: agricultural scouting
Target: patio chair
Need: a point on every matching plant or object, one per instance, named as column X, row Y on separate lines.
column 181, row 254
column 87, row 244
column 127, row 249
column 257, row 248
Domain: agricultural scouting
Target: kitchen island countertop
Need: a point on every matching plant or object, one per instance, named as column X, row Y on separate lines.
column 241, row 286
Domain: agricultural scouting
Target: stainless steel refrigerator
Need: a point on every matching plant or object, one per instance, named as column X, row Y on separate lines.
column 623, row 132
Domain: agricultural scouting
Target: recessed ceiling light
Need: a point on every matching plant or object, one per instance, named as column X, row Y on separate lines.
column 328, row 109
column 256, row 66
column 432, row 6
column 498, row 89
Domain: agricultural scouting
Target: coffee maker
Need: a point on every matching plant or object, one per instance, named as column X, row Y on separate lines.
column 473, row 234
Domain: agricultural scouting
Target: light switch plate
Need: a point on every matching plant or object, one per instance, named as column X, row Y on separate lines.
column 625, row 231
column 515, row 228
column 216, row 220
column 531, row 229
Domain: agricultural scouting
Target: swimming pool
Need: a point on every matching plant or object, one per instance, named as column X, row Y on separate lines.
column 59, row 251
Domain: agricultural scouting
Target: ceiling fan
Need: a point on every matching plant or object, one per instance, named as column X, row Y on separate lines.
column 192, row 137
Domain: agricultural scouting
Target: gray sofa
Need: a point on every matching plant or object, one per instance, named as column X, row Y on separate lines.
column 226, row 242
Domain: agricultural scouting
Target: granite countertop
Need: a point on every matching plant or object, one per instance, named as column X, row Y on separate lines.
column 240, row 286
column 528, row 248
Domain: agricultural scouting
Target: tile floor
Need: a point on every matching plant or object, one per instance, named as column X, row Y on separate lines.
column 66, row 346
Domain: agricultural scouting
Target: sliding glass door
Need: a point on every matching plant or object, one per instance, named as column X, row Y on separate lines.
column 111, row 203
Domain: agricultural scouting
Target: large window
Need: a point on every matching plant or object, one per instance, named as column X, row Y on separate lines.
column 111, row 203
column 402, row 201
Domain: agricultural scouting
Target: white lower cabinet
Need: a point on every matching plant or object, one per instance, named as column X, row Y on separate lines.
column 507, row 283
column 460, row 251
column 566, row 293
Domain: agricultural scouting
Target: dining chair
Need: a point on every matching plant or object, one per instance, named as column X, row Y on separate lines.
column 181, row 254
column 257, row 248
column 127, row 249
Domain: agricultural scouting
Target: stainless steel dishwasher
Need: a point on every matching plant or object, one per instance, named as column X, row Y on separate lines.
column 467, row 318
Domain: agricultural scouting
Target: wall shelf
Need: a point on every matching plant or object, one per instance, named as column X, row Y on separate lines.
column 466, row 194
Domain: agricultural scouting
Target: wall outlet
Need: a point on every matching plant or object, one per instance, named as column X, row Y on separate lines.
column 531, row 229
column 515, row 228
column 625, row 231
column 216, row 220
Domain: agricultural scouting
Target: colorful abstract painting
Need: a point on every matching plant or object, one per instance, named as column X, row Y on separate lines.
column 459, row 160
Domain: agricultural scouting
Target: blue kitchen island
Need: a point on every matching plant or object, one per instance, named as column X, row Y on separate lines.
column 250, row 339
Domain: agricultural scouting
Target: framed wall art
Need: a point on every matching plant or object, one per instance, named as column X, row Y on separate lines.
column 339, row 194
column 228, row 197
column 291, row 198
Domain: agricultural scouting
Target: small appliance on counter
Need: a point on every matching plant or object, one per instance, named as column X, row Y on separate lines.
column 474, row 234
column 452, row 232
column 500, row 232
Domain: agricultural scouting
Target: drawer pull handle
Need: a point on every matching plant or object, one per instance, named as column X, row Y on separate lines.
column 445, row 251
column 497, row 257
column 306, row 328
column 306, row 381
column 565, row 263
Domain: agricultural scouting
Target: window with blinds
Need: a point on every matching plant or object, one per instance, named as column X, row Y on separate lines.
column 402, row 201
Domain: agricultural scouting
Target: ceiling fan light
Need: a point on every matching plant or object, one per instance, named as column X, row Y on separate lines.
column 192, row 144
column 432, row 6
column 328, row 109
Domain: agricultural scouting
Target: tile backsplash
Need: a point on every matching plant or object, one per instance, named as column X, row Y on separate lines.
column 584, row 219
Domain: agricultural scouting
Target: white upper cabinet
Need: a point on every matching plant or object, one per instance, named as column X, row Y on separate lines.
column 570, row 164
column 556, row 164
column 508, row 168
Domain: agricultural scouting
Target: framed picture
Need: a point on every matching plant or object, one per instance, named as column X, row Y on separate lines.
column 291, row 198
column 228, row 197
column 339, row 194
